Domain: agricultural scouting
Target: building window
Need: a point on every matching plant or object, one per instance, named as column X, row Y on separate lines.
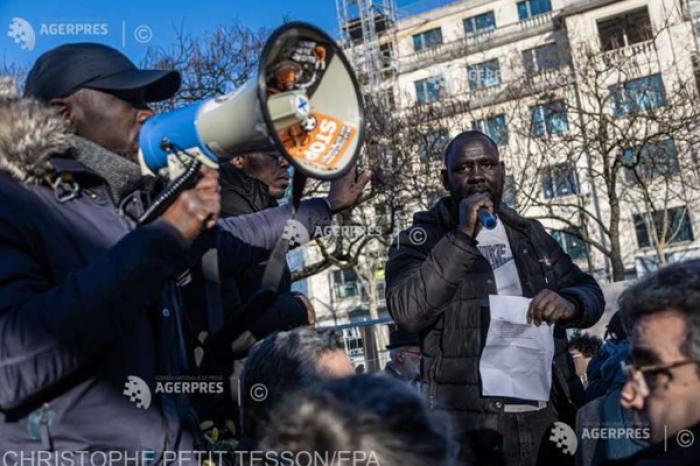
column 434, row 144
column 626, row 29
column 638, row 95
column 495, row 127
column 651, row 160
column 429, row 89
column 571, row 241
column 543, row 58
column 559, row 180
column 427, row 39
column 549, row 119
column 386, row 55
column 484, row 74
column 354, row 345
column 480, row 23
column 529, row 8
column 678, row 228
column 383, row 98
column 345, row 284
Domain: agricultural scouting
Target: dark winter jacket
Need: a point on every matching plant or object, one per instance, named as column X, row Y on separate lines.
column 242, row 195
column 438, row 285
column 87, row 300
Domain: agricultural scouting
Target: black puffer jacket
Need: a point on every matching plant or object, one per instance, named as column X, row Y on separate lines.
column 438, row 285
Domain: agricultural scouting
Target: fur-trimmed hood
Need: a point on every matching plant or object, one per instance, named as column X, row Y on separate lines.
column 30, row 133
column 33, row 136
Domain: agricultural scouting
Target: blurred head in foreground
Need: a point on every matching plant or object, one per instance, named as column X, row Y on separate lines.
column 284, row 362
column 362, row 420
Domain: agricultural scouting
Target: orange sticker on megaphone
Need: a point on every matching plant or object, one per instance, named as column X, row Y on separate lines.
column 323, row 146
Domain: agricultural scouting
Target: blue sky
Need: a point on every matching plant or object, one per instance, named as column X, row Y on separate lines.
column 119, row 22
column 134, row 25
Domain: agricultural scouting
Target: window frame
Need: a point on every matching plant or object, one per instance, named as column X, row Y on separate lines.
column 528, row 6
column 628, row 23
column 646, row 168
column 535, row 62
column 425, row 82
column 564, row 238
column 473, row 21
column 503, row 138
column 624, row 103
column 345, row 284
column 643, row 221
column 548, row 180
column 480, row 69
column 430, row 140
column 547, row 113
column 421, row 37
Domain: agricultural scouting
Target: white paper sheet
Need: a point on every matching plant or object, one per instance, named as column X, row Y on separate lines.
column 517, row 358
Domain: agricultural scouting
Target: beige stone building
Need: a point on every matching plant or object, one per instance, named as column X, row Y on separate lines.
column 565, row 87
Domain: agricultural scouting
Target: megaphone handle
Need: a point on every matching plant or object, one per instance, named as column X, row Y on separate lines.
column 187, row 180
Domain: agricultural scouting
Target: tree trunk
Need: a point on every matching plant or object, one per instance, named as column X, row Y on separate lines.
column 616, row 263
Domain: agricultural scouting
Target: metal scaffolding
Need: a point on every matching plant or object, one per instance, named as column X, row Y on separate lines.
column 367, row 35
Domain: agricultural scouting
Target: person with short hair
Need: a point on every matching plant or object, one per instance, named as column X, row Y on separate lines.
column 284, row 362
column 440, row 274
column 661, row 313
column 582, row 349
column 361, row 420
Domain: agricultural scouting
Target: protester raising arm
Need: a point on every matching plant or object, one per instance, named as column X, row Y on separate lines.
column 250, row 238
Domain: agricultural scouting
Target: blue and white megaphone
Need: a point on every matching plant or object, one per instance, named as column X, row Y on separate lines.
column 304, row 104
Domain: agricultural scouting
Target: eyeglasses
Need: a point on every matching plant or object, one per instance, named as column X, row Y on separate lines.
column 646, row 378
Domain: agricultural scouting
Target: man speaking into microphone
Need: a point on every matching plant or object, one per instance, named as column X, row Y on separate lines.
column 443, row 273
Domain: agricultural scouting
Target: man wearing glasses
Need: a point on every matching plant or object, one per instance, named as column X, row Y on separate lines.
column 404, row 352
column 663, row 374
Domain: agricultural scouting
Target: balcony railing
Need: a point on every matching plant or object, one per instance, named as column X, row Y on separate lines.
column 465, row 100
column 622, row 55
column 474, row 42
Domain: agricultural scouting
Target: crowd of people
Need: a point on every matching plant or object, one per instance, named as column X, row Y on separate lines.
column 91, row 299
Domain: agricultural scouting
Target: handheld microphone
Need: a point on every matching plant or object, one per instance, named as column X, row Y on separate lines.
column 487, row 220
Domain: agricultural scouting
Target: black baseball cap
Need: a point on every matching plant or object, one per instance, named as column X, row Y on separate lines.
column 67, row 68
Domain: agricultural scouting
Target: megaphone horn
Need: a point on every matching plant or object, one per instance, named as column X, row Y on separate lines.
column 304, row 104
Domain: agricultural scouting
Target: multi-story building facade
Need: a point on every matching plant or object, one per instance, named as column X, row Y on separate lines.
column 545, row 79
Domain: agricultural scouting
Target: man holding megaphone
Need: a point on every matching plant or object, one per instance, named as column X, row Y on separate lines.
column 90, row 301
column 443, row 275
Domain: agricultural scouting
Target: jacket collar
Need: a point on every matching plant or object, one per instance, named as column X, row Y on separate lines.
column 253, row 195
column 85, row 157
column 36, row 145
